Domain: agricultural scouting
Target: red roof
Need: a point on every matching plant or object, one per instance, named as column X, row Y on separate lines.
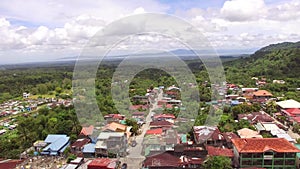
column 217, row 151
column 259, row 145
column 293, row 111
column 102, row 163
column 154, row 131
column 115, row 116
column 164, row 159
column 87, row 131
column 10, row 164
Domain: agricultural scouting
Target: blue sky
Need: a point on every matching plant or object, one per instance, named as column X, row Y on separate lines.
column 35, row 30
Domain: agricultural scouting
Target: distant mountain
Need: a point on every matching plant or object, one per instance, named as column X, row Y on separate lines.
column 274, row 61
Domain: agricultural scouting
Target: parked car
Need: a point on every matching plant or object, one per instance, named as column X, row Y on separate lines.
column 133, row 143
column 124, row 166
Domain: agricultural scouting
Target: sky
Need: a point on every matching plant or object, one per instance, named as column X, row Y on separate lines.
column 42, row 30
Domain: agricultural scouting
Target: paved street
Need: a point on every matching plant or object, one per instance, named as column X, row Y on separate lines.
column 135, row 157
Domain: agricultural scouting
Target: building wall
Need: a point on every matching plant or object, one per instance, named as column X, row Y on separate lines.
column 270, row 160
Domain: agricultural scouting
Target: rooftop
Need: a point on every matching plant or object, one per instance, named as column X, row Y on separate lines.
column 262, row 93
column 217, row 151
column 157, row 131
column 259, row 145
column 287, row 104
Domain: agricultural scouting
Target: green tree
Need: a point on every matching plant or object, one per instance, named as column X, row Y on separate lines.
column 217, row 162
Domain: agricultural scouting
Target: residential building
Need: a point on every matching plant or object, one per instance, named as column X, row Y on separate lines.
column 57, row 143
column 267, row 153
column 102, row 163
column 111, row 142
column 208, row 135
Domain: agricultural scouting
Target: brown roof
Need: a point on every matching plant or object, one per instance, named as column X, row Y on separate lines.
column 259, row 145
column 262, row 93
column 229, row 135
column 203, row 133
column 114, row 126
column 217, row 151
column 164, row 159
column 10, row 164
column 80, row 143
column 161, row 123
column 256, row 117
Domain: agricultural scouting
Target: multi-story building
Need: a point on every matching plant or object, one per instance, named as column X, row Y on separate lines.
column 270, row 153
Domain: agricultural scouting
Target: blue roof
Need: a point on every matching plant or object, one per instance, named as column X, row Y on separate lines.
column 89, row 148
column 57, row 142
column 235, row 102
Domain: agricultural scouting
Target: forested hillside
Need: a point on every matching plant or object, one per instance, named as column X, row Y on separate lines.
column 279, row 61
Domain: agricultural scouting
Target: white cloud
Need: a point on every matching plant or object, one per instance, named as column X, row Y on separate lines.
column 53, row 26
column 243, row 10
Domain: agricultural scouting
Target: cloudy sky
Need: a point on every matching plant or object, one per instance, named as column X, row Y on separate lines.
column 35, row 30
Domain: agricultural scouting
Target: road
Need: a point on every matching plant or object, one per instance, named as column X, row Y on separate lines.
column 135, row 158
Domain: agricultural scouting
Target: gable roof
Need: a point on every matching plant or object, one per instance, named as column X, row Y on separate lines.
column 114, row 126
column 106, row 135
column 217, row 151
column 259, row 145
column 157, row 131
column 161, row 123
column 164, row 159
column 87, row 131
column 256, row 117
column 57, row 142
column 103, row 162
column 203, row 133
column 262, row 93
column 89, row 148
column 248, row 133
column 288, row 104
column 80, row 143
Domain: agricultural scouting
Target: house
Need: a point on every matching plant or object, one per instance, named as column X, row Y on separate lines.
column 102, row 163
column 262, row 94
column 114, row 127
column 208, row 135
column 264, row 153
column 77, row 146
column 228, row 137
column 164, row 117
column 89, row 150
column 39, row 145
column 88, row 132
column 57, row 143
column 140, row 99
column 114, row 117
column 248, row 133
column 168, row 160
column 256, row 117
column 288, row 104
column 218, row 151
column 164, row 160
column 153, row 144
column 138, row 115
column 111, row 142
column 165, row 125
column 156, row 131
